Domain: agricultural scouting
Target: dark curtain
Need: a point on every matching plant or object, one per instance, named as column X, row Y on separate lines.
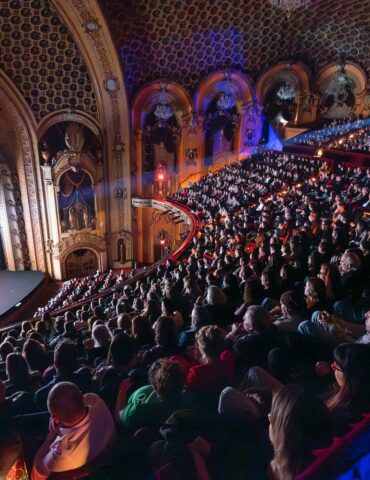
column 75, row 187
column 218, row 120
column 156, row 133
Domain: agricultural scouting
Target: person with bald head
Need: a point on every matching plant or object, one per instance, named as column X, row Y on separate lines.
column 81, row 428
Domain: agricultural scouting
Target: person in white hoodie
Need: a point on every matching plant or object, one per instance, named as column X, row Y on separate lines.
column 81, row 429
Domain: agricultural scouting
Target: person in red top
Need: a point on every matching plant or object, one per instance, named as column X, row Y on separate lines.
column 218, row 364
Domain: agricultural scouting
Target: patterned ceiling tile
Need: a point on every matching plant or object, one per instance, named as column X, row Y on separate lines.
column 38, row 53
column 186, row 40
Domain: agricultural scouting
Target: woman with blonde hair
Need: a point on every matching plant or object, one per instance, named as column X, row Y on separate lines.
column 299, row 423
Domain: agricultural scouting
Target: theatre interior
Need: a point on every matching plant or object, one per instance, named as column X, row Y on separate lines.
column 185, row 239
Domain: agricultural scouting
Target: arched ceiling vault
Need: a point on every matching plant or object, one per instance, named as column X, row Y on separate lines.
column 39, row 54
column 186, row 40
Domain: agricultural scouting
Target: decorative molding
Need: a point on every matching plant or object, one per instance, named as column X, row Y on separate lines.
column 98, row 40
column 68, row 115
column 76, row 241
column 16, row 246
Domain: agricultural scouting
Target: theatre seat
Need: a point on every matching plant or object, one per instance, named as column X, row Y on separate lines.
column 347, row 458
column 110, row 458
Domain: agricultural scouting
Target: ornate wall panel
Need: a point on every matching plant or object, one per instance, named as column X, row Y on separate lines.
column 21, row 121
column 38, row 52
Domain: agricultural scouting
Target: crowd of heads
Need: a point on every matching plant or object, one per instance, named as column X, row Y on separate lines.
column 268, row 312
column 350, row 135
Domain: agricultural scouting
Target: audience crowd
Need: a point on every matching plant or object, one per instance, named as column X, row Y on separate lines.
column 358, row 141
column 352, row 136
column 78, row 289
column 243, row 360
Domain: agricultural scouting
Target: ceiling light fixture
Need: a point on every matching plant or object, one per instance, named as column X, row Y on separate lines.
column 288, row 6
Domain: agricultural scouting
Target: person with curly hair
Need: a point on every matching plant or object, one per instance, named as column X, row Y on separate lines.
column 150, row 405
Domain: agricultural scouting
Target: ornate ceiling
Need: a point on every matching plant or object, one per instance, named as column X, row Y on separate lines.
column 39, row 54
column 186, row 40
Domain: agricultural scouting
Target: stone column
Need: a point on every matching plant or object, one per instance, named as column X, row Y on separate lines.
column 138, row 142
column 53, row 220
column 12, row 221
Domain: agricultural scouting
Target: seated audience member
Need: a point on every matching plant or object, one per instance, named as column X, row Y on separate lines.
column 5, row 348
column 57, row 332
column 292, row 312
column 232, row 291
column 169, row 310
column 329, row 328
column 315, row 296
column 351, row 397
column 151, row 405
column 351, row 278
column 216, row 306
column 253, row 295
column 19, row 377
column 199, row 318
column 81, row 429
column 166, row 341
column 26, row 327
column 330, row 275
column 270, row 285
column 365, row 338
column 258, row 338
column 66, row 369
column 101, row 338
column 299, row 423
column 142, row 332
column 123, row 322
column 217, row 367
column 152, row 310
column 117, row 366
column 34, row 353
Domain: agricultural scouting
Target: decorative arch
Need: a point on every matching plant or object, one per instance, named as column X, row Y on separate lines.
column 66, row 115
column 80, row 241
column 87, row 263
column 244, row 113
column 63, row 167
column 169, row 107
column 243, row 88
column 350, row 78
column 299, row 76
column 150, row 94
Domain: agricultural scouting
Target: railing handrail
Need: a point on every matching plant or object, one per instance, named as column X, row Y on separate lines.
column 173, row 255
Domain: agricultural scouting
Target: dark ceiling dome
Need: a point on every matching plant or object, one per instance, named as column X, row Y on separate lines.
column 186, row 40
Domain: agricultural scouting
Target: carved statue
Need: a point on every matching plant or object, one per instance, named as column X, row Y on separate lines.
column 72, row 218
column 85, row 217
column 307, row 102
column 75, row 137
column 78, row 217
